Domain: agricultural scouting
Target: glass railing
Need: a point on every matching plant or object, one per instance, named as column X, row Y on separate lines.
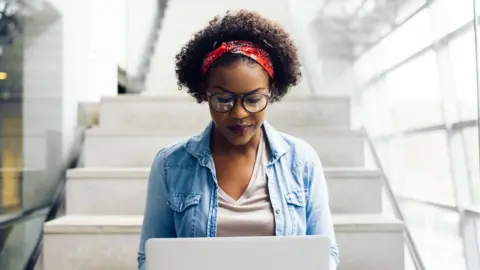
column 22, row 231
column 21, row 240
column 54, row 68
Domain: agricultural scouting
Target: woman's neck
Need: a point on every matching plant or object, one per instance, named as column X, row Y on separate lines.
column 221, row 146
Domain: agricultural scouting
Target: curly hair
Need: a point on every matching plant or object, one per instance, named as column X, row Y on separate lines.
column 241, row 25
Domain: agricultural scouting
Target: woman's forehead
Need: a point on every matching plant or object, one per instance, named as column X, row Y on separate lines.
column 239, row 78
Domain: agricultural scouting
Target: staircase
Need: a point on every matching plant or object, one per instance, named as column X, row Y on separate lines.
column 105, row 198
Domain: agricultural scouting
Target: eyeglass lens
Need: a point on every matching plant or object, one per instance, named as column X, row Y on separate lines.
column 223, row 102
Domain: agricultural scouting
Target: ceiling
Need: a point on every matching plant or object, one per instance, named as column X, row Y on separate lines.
column 348, row 28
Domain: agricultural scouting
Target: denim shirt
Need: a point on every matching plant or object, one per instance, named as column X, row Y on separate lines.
column 182, row 196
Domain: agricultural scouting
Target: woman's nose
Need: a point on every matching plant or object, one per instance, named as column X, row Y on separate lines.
column 238, row 112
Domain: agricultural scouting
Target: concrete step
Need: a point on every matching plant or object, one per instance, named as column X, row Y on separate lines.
column 352, row 190
column 80, row 242
column 93, row 243
column 156, row 112
column 106, row 148
column 170, row 87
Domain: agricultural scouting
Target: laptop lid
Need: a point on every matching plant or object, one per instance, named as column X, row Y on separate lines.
column 239, row 253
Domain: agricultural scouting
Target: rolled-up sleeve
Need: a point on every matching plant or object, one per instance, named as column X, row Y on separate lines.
column 158, row 217
column 319, row 217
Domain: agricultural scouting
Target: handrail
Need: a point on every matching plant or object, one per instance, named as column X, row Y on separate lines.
column 412, row 248
column 136, row 84
column 24, row 215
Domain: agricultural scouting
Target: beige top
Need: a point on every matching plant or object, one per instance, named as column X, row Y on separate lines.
column 252, row 213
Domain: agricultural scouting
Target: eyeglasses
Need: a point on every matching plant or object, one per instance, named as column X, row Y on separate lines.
column 224, row 102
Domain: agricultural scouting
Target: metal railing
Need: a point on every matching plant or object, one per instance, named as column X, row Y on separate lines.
column 136, row 84
column 412, row 248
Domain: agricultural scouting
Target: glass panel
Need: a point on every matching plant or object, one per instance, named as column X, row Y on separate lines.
column 408, row 8
column 477, row 228
column 451, row 15
column 471, row 144
column 20, row 242
column 422, row 168
column 436, row 233
column 11, row 115
column 376, row 115
column 393, row 49
column 44, row 106
column 414, row 94
column 462, row 52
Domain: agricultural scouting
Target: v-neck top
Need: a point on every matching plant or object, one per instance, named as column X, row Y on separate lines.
column 252, row 213
column 182, row 196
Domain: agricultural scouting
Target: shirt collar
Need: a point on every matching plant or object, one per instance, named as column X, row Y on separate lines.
column 199, row 145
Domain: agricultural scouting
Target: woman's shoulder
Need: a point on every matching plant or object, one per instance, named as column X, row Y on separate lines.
column 300, row 150
column 172, row 153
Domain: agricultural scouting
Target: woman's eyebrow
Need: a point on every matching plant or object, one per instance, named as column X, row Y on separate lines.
column 231, row 92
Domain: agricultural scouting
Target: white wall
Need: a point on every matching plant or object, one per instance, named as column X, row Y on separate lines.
column 302, row 17
column 71, row 56
column 43, row 83
column 139, row 20
column 74, row 47
column 328, row 76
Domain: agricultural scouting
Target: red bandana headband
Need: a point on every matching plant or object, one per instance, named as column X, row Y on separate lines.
column 246, row 48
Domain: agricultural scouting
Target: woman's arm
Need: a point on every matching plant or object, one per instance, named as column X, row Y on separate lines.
column 319, row 217
column 158, row 218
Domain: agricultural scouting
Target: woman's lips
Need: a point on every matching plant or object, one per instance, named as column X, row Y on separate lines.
column 239, row 129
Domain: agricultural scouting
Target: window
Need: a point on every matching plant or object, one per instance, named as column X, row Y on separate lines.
column 462, row 53
column 421, row 167
column 477, row 228
column 471, row 143
column 420, row 87
column 408, row 39
column 376, row 111
column 450, row 15
column 436, row 233
column 414, row 94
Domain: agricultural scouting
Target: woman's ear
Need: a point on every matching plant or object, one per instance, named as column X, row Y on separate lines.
column 273, row 91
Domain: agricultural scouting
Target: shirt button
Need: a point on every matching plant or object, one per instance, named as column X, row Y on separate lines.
column 277, row 211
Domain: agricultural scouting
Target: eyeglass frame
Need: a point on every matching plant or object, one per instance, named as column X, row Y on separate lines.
column 242, row 99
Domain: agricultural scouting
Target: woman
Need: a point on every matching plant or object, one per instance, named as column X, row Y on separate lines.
column 239, row 177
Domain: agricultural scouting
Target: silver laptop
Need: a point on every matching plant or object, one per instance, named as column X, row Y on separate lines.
column 239, row 253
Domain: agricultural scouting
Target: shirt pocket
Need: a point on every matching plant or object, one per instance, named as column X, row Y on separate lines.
column 296, row 204
column 185, row 209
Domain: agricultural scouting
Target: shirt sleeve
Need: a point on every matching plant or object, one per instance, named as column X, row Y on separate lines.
column 158, row 217
column 319, row 217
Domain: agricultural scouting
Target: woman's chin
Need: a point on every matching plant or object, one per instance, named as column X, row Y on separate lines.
column 237, row 140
